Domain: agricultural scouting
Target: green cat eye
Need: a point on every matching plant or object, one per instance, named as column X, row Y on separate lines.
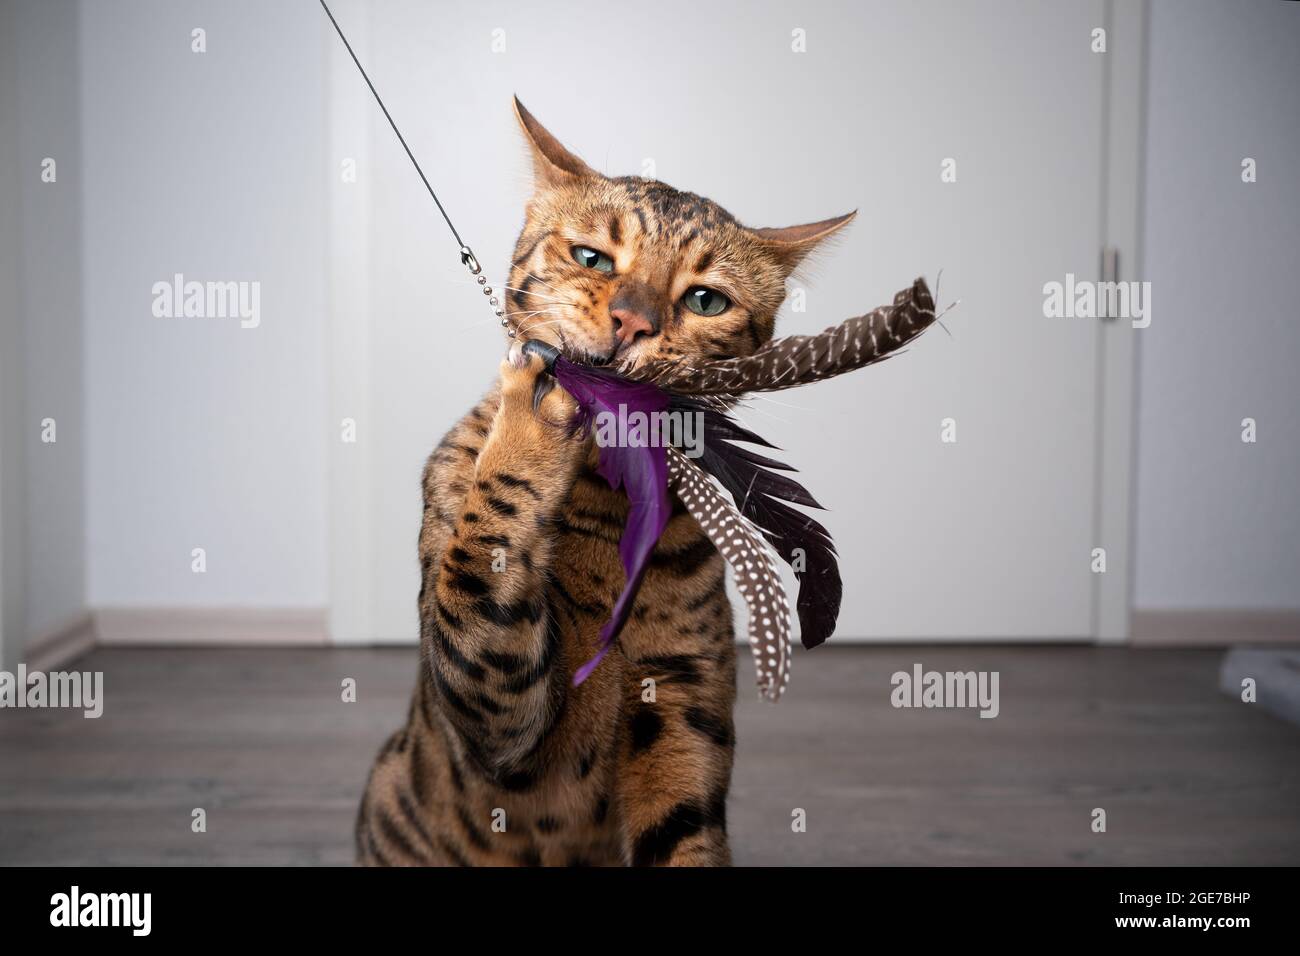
column 704, row 301
column 592, row 259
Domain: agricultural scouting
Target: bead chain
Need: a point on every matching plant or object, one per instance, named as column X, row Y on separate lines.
column 471, row 263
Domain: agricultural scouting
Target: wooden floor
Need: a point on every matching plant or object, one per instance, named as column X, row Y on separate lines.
column 262, row 741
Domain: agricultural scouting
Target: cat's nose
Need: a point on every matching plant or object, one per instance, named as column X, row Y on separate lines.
column 630, row 324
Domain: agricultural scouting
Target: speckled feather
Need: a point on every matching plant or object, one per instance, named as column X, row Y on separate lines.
column 756, row 575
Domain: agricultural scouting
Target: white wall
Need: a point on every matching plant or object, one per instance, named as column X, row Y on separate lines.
column 175, row 434
column 1218, row 521
column 41, row 483
column 200, row 433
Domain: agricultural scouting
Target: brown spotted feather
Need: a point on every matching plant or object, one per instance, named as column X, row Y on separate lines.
column 801, row 359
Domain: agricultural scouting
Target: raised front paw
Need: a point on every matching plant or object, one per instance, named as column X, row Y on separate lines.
column 525, row 383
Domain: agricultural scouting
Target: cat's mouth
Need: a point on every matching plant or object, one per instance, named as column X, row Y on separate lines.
column 624, row 358
column 582, row 355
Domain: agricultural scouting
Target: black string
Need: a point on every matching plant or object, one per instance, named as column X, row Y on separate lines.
column 389, row 117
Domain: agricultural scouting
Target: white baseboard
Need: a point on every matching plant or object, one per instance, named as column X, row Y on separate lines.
column 60, row 646
column 211, row 627
column 1215, row 628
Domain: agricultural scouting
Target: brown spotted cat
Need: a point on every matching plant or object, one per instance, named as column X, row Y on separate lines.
column 502, row 761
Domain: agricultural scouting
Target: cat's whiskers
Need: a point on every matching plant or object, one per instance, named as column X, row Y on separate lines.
column 456, row 277
column 473, row 325
column 539, row 325
column 521, row 316
column 543, row 282
column 518, row 324
column 537, row 295
column 486, row 318
column 530, row 331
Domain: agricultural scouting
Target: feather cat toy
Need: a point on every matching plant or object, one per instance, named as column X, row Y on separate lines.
column 758, row 521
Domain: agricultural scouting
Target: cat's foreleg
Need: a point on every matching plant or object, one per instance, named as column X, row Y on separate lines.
column 491, row 644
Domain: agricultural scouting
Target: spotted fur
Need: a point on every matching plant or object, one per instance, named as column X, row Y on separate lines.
column 501, row 760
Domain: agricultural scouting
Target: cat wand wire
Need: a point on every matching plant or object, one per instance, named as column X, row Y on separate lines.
column 467, row 257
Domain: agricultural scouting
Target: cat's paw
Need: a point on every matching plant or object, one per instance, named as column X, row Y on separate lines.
column 525, row 382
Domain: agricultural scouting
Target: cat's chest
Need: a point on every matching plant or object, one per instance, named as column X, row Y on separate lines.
column 585, row 562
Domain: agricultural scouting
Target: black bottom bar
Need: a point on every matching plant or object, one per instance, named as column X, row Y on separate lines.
column 333, row 906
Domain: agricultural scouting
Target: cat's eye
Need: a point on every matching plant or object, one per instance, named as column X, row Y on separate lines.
column 585, row 256
column 704, row 301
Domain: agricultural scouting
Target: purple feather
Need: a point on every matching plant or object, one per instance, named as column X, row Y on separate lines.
column 641, row 471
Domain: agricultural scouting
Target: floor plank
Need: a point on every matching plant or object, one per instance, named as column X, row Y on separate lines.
column 262, row 740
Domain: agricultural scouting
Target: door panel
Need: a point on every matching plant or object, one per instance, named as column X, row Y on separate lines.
column 985, row 537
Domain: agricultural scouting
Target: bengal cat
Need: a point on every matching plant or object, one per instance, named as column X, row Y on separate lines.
column 502, row 761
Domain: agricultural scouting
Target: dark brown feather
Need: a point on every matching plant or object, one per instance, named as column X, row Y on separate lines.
column 761, row 495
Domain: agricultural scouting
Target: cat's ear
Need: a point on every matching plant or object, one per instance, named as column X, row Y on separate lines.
column 552, row 163
column 792, row 243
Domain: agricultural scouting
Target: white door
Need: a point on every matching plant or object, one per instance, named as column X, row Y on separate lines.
column 783, row 113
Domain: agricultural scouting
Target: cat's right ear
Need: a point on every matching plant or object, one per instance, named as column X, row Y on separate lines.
column 552, row 163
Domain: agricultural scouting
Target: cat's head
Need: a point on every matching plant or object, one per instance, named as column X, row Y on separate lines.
column 625, row 270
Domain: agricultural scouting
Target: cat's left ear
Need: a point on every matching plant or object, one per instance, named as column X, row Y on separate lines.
column 552, row 163
column 793, row 243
